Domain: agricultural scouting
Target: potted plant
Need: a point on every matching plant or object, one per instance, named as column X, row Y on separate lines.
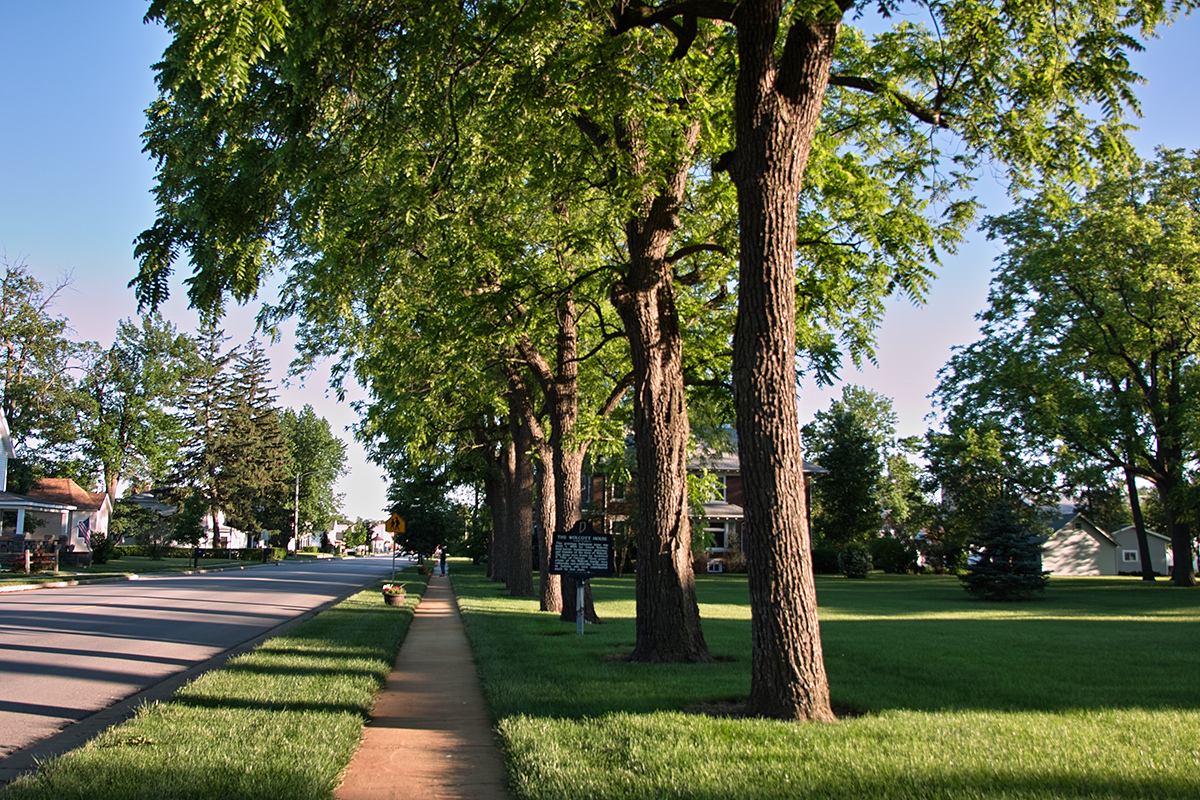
column 393, row 594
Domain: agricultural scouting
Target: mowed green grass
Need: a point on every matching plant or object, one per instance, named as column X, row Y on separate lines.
column 281, row 721
column 1090, row 692
column 126, row 565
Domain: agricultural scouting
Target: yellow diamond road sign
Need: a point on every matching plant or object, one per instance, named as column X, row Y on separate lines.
column 395, row 524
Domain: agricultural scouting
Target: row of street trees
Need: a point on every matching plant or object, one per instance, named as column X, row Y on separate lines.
column 512, row 221
column 159, row 408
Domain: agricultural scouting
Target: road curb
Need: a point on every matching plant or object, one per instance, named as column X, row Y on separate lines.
column 29, row 587
column 78, row 733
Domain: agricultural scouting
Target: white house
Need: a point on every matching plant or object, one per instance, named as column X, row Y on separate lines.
column 58, row 514
column 90, row 516
column 1080, row 547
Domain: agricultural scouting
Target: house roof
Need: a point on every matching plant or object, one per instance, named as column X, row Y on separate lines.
column 152, row 500
column 1149, row 532
column 9, row 500
column 730, row 463
column 68, row 492
column 723, row 511
column 1084, row 523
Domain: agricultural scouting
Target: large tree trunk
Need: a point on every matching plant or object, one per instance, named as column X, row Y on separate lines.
column 777, row 108
column 519, row 563
column 1171, row 490
column 502, row 534
column 668, row 616
column 550, row 587
column 1139, row 526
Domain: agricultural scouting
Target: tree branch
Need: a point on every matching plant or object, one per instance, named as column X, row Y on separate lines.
column 931, row 115
column 692, row 249
column 637, row 14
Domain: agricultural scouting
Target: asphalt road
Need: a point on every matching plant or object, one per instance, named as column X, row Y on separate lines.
column 66, row 654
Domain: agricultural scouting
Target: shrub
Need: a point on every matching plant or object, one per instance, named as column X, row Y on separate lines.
column 1009, row 565
column 103, row 548
column 855, row 560
column 894, row 555
column 825, row 561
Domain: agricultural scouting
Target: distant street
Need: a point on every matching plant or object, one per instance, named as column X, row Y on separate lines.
column 67, row 653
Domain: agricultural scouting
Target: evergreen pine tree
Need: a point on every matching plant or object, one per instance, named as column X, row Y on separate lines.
column 256, row 462
column 1010, row 559
column 200, row 466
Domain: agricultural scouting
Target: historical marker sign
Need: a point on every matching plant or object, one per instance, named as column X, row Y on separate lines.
column 582, row 553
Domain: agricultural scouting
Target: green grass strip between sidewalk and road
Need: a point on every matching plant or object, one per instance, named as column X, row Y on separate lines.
column 1090, row 692
column 281, row 721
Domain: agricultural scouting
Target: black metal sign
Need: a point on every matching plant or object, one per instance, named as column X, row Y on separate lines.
column 582, row 553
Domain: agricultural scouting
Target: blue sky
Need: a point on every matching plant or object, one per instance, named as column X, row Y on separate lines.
column 75, row 77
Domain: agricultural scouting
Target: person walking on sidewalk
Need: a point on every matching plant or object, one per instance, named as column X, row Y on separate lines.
column 442, row 559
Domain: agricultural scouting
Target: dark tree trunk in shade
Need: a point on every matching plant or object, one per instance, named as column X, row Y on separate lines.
column 519, row 564
column 550, row 586
column 1171, row 487
column 1139, row 526
column 493, row 492
column 778, row 101
column 502, row 535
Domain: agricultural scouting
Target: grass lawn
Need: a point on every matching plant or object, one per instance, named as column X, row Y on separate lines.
column 126, row 565
column 1091, row 692
column 281, row 721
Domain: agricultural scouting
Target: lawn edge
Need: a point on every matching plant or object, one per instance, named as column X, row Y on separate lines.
column 43, row 753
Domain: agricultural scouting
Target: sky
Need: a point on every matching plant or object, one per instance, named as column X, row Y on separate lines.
column 76, row 77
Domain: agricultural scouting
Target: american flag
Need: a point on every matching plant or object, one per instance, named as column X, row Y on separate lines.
column 85, row 530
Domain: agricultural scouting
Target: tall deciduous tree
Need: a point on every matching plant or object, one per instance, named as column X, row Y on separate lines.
column 318, row 459
column 37, row 358
column 128, row 424
column 846, row 502
column 1091, row 334
column 1011, row 86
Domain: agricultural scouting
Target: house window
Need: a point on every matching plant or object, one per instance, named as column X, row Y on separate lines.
column 1129, row 555
column 618, row 490
column 719, row 533
column 723, row 488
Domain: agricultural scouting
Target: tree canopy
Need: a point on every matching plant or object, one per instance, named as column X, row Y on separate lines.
column 1090, row 341
column 362, row 142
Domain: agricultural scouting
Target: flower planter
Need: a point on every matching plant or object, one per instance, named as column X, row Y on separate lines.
column 393, row 599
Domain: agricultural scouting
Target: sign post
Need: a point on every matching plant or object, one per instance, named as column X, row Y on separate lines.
column 581, row 553
column 394, row 525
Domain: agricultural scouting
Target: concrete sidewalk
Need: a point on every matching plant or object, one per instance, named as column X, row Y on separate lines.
column 429, row 736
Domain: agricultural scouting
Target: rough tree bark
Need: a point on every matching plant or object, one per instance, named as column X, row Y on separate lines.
column 1139, row 525
column 777, row 105
column 549, row 586
column 668, row 617
column 503, row 514
column 560, row 386
column 519, row 563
